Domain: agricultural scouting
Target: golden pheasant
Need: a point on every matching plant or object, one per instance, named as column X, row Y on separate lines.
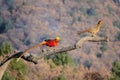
column 48, row 42
column 93, row 30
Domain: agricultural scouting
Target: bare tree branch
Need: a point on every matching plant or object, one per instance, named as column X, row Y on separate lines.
column 78, row 44
column 3, row 69
column 16, row 55
column 46, row 52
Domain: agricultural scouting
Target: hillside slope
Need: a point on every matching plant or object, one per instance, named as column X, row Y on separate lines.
column 28, row 22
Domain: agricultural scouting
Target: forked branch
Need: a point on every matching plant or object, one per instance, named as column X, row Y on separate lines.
column 46, row 52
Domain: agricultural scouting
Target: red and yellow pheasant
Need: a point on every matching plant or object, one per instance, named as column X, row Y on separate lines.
column 47, row 42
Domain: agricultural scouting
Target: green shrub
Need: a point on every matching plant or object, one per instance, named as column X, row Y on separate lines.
column 117, row 23
column 99, row 55
column 1, row 21
column 103, row 48
column 16, row 71
column 103, row 43
column 5, row 25
column 116, row 68
column 110, row 9
column 115, row 71
column 5, row 48
column 10, row 4
column 62, row 59
column 118, row 37
column 103, row 35
column 76, row 19
column 91, row 11
column 24, row 3
column 88, row 64
column 60, row 77
column 71, row 12
column 19, row 66
column 7, row 76
column 78, row 1
column 26, row 41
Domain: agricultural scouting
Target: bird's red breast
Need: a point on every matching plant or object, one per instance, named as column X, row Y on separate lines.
column 51, row 43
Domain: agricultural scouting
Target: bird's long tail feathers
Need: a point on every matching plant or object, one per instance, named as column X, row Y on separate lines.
column 31, row 48
column 80, row 32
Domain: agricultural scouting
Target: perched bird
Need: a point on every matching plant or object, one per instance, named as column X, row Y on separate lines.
column 47, row 42
column 51, row 42
column 93, row 30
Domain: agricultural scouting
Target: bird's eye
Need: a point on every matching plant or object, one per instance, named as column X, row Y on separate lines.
column 99, row 22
